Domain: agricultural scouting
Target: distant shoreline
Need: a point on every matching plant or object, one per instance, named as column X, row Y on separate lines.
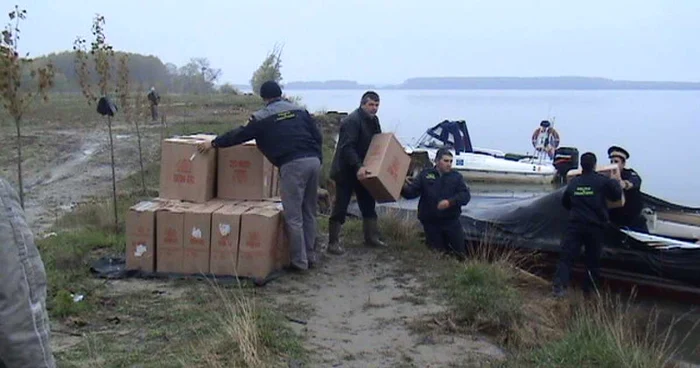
column 502, row 83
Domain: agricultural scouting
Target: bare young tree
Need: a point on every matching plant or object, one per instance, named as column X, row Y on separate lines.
column 16, row 98
column 270, row 69
column 130, row 107
column 103, row 55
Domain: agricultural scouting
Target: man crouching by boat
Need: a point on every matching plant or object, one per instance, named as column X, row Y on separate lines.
column 442, row 194
column 585, row 198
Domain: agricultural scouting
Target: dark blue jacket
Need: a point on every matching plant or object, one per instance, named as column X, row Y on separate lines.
column 282, row 131
column 585, row 197
column 433, row 188
column 627, row 214
column 356, row 132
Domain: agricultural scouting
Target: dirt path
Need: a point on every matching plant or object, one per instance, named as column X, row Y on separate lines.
column 361, row 310
column 64, row 167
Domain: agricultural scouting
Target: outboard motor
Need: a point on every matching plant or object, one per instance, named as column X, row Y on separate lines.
column 565, row 159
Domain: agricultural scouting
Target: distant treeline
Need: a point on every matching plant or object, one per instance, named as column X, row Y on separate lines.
column 331, row 84
column 504, row 83
column 196, row 77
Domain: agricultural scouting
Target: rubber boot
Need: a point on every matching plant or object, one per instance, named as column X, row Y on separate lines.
column 334, row 246
column 371, row 230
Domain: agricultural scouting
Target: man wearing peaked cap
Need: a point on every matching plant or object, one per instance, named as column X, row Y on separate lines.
column 630, row 215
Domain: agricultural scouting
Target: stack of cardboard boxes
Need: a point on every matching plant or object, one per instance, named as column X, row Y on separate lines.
column 219, row 213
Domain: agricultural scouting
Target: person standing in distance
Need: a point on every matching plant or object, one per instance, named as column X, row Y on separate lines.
column 442, row 193
column 356, row 132
column 289, row 138
column 153, row 101
column 585, row 198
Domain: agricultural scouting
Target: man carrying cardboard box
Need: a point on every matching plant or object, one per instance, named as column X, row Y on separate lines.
column 24, row 322
column 288, row 137
column 629, row 215
column 585, row 198
column 356, row 132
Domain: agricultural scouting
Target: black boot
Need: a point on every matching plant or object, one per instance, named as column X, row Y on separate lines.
column 371, row 231
column 334, row 246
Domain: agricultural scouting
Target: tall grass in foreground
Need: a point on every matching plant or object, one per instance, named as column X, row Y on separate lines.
column 246, row 334
column 492, row 293
column 605, row 332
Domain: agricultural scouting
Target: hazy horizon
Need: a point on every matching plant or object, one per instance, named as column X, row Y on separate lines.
column 386, row 42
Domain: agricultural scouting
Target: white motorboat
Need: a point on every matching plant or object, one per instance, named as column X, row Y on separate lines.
column 480, row 164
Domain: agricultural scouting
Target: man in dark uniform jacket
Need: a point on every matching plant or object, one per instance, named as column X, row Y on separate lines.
column 585, row 198
column 288, row 137
column 442, row 194
column 630, row 215
column 356, row 132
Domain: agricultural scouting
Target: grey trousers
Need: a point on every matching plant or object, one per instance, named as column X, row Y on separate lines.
column 299, row 190
column 24, row 323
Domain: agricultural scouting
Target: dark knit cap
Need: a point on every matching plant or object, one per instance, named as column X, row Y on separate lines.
column 270, row 89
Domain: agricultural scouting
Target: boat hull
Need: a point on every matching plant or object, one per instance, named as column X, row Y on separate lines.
column 483, row 168
column 489, row 176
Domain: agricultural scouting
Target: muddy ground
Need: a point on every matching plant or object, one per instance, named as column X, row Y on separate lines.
column 63, row 167
column 366, row 309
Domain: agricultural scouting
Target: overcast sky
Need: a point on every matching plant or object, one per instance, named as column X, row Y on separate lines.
column 387, row 41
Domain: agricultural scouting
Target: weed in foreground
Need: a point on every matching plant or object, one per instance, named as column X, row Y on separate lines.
column 246, row 334
column 604, row 332
column 483, row 297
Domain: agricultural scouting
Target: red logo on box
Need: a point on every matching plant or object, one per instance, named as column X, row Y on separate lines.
column 184, row 166
column 244, row 164
column 253, row 239
column 240, row 176
column 170, row 236
column 224, row 242
column 393, row 169
column 184, row 179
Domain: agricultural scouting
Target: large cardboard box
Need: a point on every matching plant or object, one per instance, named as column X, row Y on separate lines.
column 186, row 174
column 257, row 251
column 281, row 252
column 611, row 171
column 225, row 235
column 170, row 225
column 197, row 237
column 388, row 164
column 141, row 236
column 243, row 173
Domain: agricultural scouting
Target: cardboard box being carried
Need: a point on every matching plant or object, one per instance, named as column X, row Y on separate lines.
column 611, row 171
column 244, row 173
column 388, row 165
column 186, row 174
column 141, row 236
